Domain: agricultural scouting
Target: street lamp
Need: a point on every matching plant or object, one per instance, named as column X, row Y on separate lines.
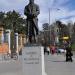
column 50, row 18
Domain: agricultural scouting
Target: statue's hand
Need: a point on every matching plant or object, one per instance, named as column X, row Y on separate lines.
column 34, row 15
column 31, row 14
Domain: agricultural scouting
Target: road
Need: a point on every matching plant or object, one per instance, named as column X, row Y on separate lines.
column 10, row 67
column 54, row 64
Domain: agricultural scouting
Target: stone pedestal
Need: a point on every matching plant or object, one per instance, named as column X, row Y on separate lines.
column 33, row 60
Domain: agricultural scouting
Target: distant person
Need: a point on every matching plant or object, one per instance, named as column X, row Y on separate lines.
column 45, row 48
column 69, row 54
column 53, row 49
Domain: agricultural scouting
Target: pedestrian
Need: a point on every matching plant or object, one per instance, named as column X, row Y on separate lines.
column 45, row 47
column 52, row 49
column 69, row 54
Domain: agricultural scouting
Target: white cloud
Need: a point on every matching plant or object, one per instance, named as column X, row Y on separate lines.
column 18, row 5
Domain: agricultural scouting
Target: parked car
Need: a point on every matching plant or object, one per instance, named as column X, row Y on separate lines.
column 61, row 50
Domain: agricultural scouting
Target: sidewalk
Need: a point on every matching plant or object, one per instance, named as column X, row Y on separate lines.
column 10, row 67
column 56, row 65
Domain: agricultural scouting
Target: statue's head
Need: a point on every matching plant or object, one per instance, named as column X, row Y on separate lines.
column 31, row 1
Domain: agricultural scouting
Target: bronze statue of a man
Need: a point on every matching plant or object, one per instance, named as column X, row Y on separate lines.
column 32, row 11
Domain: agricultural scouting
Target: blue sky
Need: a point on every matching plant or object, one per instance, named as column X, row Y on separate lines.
column 65, row 14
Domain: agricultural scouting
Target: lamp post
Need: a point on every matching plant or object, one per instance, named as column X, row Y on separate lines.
column 50, row 19
column 49, row 27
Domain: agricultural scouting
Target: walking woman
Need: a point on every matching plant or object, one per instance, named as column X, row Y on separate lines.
column 69, row 54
